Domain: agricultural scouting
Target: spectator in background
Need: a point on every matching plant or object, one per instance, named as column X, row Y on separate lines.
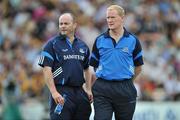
column 117, row 58
column 11, row 109
column 65, row 59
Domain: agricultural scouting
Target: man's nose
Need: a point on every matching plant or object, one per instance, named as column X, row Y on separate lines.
column 63, row 25
column 109, row 19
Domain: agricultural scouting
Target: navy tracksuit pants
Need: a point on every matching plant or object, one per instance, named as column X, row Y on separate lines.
column 114, row 96
column 76, row 107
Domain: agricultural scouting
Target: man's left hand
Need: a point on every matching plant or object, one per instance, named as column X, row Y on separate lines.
column 89, row 93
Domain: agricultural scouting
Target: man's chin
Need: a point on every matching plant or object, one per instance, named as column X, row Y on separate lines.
column 62, row 33
column 111, row 28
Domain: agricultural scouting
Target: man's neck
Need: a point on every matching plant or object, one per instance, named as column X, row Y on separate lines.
column 116, row 34
column 71, row 38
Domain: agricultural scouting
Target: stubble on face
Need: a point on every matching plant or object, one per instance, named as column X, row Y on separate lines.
column 66, row 24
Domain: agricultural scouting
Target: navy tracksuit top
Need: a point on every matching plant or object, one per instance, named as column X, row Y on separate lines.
column 66, row 60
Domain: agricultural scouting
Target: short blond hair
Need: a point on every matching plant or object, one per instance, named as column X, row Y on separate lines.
column 118, row 8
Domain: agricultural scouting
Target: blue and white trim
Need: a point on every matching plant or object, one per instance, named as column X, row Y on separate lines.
column 41, row 59
column 57, row 72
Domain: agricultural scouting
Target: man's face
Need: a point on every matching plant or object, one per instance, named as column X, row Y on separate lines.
column 114, row 20
column 66, row 25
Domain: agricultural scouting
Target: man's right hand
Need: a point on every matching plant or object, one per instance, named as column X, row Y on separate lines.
column 58, row 98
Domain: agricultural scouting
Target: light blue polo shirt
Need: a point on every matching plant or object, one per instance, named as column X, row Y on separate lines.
column 116, row 61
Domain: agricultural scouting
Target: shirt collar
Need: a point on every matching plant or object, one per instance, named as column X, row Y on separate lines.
column 125, row 34
column 64, row 37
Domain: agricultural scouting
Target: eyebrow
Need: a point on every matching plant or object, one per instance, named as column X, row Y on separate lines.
column 63, row 22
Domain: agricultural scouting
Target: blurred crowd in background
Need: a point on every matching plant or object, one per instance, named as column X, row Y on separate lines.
column 25, row 25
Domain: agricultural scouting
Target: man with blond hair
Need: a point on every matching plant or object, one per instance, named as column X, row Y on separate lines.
column 117, row 59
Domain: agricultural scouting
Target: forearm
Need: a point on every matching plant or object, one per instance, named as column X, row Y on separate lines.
column 137, row 72
column 93, row 79
column 88, row 78
column 49, row 79
column 50, row 83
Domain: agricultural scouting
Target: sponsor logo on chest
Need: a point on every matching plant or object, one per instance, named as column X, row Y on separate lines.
column 76, row 57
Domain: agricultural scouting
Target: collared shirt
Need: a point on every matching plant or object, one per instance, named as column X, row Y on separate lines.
column 66, row 60
column 116, row 61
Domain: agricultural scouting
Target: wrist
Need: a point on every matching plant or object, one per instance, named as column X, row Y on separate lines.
column 88, row 87
column 53, row 91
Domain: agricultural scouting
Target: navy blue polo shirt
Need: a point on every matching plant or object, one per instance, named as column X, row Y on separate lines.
column 66, row 60
column 116, row 61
